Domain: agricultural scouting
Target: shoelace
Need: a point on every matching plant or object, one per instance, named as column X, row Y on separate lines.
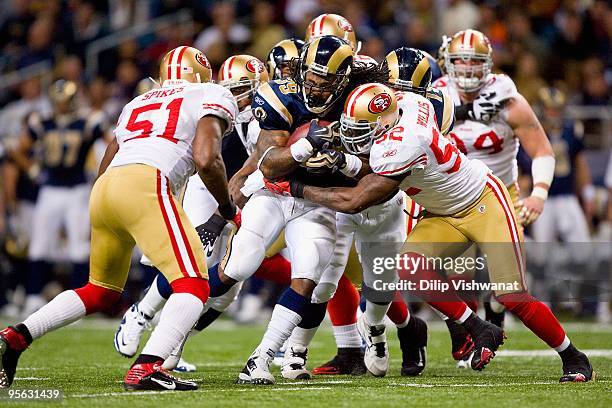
column 380, row 350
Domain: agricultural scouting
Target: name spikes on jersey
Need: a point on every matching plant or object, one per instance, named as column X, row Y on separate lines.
column 158, row 127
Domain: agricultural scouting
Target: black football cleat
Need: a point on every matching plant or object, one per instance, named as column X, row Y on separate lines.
column 486, row 342
column 461, row 341
column 577, row 369
column 497, row 318
column 348, row 361
column 413, row 342
column 152, row 377
column 12, row 344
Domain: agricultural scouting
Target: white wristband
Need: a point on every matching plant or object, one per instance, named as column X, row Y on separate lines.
column 539, row 192
column 301, row 150
column 353, row 166
column 543, row 170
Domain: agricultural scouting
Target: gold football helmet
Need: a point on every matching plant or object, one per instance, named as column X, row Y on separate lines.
column 332, row 24
column 242, row 71
column 184, row 64
column 370, row 110
column 468, row 60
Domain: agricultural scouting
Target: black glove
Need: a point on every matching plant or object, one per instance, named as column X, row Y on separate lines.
column 325, row 162
column 210, row 230
column 320, row 137
column 485, row 107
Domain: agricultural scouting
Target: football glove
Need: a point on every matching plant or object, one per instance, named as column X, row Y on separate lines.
column 210, row 230
column 325, row 162
column 287, row 188
column 486, row 106
column 322, row 137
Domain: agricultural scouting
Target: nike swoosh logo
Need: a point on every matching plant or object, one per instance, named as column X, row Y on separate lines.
column 166, row 384
column 209, row 251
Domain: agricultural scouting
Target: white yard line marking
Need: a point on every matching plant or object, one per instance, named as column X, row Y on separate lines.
column 32, row 378
column 417, row 385
column 237, row 389
column 550, row 353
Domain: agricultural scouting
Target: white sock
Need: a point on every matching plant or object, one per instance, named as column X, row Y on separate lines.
column 65, row 308
column 404, row 324
column 178, row 317
column 347, row 336
column 565, row 344
column 468, row 312
column 375, row 314
column 152, row 302
column 281, row 325
column 302, row 337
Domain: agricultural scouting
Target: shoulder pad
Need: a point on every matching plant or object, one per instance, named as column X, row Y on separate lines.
column 273, row 103
column 444, row 108
column 502, row 85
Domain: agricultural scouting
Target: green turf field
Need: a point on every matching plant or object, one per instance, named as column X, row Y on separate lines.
column 81, row 361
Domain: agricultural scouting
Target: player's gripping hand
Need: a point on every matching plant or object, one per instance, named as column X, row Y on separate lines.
column 529, row 209
column 287, row 188
column 321, row 137
column 326, row 162
column 486, row 106
column 210, row 230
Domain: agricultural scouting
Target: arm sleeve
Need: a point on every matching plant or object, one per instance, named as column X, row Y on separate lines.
column 396, row 160
column 219, row 101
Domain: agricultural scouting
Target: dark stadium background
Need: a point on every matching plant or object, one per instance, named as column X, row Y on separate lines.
column 107, row 47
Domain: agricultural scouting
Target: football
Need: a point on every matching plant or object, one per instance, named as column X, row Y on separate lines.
column 302, row 131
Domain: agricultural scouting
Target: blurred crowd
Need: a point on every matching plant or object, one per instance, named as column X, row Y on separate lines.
column 565, row 43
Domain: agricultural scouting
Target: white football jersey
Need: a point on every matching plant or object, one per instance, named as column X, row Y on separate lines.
column 494, row 143
column 157, row 128
column 434, row 173
column 248, row 130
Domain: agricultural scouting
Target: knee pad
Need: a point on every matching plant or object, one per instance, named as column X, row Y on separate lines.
column 245, row 253
column 221, row 303
column 312, row 260
column 197, row 287
column 96, row 298
column 323, row 292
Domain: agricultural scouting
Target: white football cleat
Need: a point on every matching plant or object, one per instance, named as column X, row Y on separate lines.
column 294, row 364
column 376, row 357
column 129, row 332
column 185, row 367
column 257, row 369
column 466, row 362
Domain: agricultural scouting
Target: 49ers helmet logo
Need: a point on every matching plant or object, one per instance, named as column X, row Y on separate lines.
column 344, row 24
column 380, row 103
column 202, row 60
column 254, row 66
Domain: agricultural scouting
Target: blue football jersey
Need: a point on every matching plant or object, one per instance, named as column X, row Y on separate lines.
column 63, row 144
column 566, row 146
column 278, row 105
